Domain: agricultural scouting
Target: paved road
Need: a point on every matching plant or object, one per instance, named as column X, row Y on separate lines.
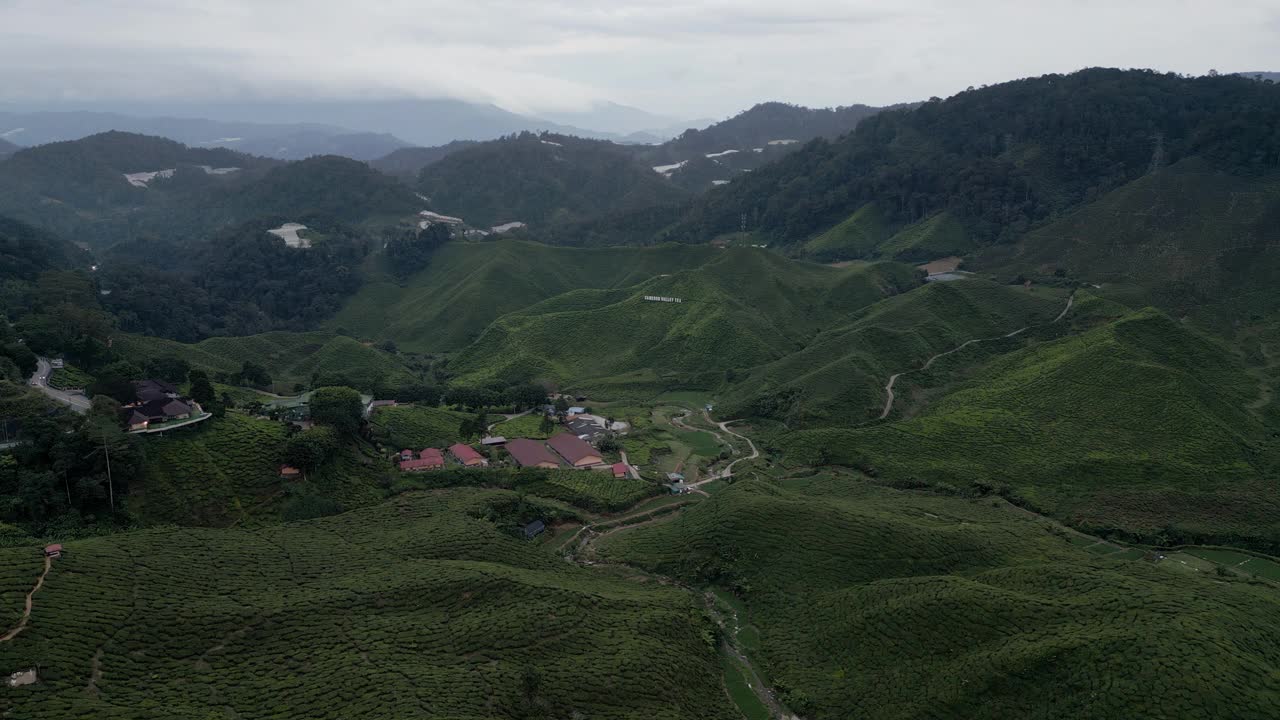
column 40, row 381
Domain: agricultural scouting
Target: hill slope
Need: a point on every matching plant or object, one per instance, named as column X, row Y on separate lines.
column 541, row 180
column 1005, row 157
column 468, row 285
column 728, row 319
column 416, row 607
column 868, row 602
column 1140, row 426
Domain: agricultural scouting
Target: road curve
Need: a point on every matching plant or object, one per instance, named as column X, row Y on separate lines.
column 893, row 379
column 40, row 381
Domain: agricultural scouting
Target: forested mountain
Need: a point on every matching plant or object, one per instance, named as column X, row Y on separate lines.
column 541, row 180
column 7, row 148
column 26, row 251
column 118, row 187
column 285, row 141
column 407, row 163
column 1005, row 157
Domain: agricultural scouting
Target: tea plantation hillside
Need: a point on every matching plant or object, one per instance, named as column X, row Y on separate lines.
column 839, row 377
column 420, row 607
column 468, row 285
column 1187, row 239
column 1140, row 426
column 866, row 602
column 417, row 427
column 227, row 470
column 288, row 357
column 745, row 308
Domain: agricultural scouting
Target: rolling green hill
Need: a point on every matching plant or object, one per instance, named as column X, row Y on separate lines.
column 729, row 318
column 288, row 357
column 856, row 237
column 417, row 427
column 1139, row 426
column 867, row 602
column 839, row 377
column 468, row 285
column 419, row 607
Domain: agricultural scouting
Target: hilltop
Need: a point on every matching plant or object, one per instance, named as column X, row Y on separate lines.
column 407, row 163
column 1001, row 158
column 116, row 187
column 540, row 180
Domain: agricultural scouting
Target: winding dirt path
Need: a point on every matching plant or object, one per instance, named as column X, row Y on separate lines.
column 26, row 613
column 893, row 379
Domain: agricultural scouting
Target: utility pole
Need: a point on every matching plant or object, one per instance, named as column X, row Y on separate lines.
column 111, row 487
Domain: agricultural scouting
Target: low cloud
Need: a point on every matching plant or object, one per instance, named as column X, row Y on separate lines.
column 693, row 57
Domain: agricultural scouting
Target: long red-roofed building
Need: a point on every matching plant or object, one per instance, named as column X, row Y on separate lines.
column 467, row 455
column 530, row 453
column 428, row 459
column 577, row 451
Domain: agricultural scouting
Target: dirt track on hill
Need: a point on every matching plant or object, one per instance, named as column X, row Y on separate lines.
column 26, row 613
column 893, row 379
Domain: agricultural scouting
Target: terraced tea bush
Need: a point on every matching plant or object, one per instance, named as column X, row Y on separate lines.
column 414, row 608
column 417, row 427
column 872, row 602
column 1139, row 426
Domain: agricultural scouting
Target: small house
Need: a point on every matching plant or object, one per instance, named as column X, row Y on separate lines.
column 528, row 453
column 621, row 470
column 534, row 529
column 53, row 551
column 576, row 410
column 493, row 441
column 467, row 455
column 406, row 455
column 675, row 477
column 575, row 450
column 289, row 472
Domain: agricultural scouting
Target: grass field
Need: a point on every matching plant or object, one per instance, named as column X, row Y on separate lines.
column 528, row 426
column 920, row 605
column 289, row 357
column 419, row 607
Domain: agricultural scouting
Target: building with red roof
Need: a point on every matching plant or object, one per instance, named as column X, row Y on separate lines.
column 467, row 455
column 575, row 450
column 530, row 453
column 428, row 459
column 621, row 470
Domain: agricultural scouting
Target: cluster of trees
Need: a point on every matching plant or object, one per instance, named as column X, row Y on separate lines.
column 70, row 467
column 409, row 250
column 1088, row 132
column 244, row 282
column 517, row 397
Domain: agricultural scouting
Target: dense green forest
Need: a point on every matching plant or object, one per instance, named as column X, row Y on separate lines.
column 541, row 179
column 1005, row 157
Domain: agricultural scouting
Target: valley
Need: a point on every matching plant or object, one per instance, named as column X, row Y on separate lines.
column 955, row 409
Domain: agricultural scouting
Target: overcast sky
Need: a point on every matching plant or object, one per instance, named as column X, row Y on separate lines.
column 690, row 58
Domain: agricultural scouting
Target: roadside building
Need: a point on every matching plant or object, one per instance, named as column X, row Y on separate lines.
column 140, row 416
column 467, row 455
column 406, row 455
column 529, row 453
column 576, row 410
column 575, row 450
column 621, row 470
column 675, row 477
